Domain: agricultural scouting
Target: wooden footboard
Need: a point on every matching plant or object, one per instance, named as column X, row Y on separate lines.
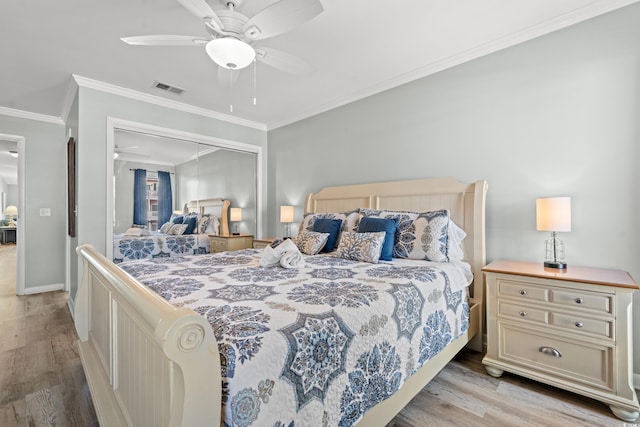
column 147, row 362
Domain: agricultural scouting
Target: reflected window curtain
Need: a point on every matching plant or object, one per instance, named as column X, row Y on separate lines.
column 165, row 199
column 140, row 197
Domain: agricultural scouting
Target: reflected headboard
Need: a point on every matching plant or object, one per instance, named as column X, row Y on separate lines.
column 215, row 207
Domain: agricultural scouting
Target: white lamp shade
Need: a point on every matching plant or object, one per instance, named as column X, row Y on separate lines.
column 553, row 214
column 236, row 214
column 286, row 213
column 11, row 210
column 230, row 53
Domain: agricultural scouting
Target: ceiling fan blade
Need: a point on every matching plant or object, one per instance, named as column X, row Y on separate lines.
column 202, row 10
column 284, row 61
column 281, row 17
column 226, row 76
column 165, row 40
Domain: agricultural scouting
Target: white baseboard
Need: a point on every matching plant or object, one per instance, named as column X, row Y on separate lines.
column 45, row 288
column 636, row 381
column 71, row 306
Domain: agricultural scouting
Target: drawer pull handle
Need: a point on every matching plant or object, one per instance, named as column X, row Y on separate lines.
column 523, row 292
column 522, row 313
column 579, row 325
column 579, row 300
column 550, row 351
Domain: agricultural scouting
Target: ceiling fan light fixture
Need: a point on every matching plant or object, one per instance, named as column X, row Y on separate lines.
column 230, row 53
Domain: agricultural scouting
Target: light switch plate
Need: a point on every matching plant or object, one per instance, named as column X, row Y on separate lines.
column 45, row 211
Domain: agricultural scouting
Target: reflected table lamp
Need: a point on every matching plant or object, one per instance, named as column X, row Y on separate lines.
column 286, row 217
column 11, row 211
column 235, row 217
column 554, row 214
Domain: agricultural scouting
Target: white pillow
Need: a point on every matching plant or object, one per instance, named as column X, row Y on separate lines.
column 136, row 232
column 456, row 236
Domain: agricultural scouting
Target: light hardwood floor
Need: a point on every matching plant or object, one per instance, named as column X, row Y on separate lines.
column 42, row 382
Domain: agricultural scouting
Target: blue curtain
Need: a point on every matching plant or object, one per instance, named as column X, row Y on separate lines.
column 165, row 200
column 140, row 197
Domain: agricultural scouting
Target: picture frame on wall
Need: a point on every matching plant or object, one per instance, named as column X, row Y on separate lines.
column 71, row 187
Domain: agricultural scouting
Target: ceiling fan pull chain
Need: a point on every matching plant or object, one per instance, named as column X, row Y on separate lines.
column 255, row 71
column 230, row 90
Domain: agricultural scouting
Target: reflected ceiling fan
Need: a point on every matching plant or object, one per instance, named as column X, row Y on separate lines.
column 232, row 35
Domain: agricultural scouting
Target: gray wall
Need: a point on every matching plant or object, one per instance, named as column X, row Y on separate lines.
column 45, row 178
column 72, row 259
column 556, row 116
column 94, row 108
column 226, row 174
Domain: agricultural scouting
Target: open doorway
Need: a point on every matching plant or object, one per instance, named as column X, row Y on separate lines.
column 12, row 202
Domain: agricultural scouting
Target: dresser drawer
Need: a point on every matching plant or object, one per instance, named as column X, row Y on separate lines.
column 521, row 312
column 584, row 300
column 522, row 290
column 217, row 245
column 582, row 325
column 553, row 355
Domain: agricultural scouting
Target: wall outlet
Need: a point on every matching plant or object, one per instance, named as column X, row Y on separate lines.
column 45, row 211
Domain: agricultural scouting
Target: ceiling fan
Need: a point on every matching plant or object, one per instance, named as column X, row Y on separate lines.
column 232, row 35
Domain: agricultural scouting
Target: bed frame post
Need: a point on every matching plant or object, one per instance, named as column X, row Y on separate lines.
column 147, row 362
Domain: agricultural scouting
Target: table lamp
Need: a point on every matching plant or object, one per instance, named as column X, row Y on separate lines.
column 235, row 217
column 11, row 211
column 286, row 217
column 554, row 214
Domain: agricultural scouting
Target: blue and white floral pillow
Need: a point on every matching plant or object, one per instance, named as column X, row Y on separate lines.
column 364, row 247
column 432, row 236
column 311, row 242
column 178, row 229
column 418, row 235
column 405, row 231
column 350, row 220
column 164, row 229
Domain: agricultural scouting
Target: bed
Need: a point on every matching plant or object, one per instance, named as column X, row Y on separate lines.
column 151, row 362
column 155, row 244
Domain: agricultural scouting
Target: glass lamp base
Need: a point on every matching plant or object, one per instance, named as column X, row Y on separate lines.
column 555, row 264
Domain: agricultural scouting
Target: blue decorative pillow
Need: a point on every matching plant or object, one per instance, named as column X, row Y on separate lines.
column 177, row 219
column 192, row 223
column 331, row 226
column 388, row 225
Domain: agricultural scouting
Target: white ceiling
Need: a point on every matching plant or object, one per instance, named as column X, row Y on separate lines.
column 358, row 48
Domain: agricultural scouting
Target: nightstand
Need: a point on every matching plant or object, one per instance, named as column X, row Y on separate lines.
column 568, row 328
column 262, row 243
column 231, row 242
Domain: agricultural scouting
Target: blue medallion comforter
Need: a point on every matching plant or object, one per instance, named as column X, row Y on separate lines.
column 318, row 345
column 127, row 248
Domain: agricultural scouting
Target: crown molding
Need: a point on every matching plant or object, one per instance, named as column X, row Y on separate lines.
column 31, row 116
column 72, row 90
column 571, row 18
column 163, row 102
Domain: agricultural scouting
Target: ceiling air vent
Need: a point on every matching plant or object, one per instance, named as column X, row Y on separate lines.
column 168, row 88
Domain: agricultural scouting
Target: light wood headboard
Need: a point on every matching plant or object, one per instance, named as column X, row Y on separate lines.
column 465, row 202
column 215, row 207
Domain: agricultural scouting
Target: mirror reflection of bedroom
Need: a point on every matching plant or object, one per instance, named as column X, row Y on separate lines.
column 8, row 216
column 170, row 195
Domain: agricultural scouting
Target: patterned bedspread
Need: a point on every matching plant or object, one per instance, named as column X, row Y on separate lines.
column 127, row 248
column 319, row 345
